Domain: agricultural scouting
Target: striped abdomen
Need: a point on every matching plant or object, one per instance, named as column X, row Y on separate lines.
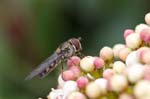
column 46, row 66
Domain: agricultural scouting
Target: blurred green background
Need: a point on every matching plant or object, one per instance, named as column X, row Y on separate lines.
column 30, row 30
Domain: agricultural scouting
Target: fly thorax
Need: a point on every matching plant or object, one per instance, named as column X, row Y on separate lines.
column 69, row 52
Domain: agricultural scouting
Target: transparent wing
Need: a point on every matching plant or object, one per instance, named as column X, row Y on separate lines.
column 50, row 63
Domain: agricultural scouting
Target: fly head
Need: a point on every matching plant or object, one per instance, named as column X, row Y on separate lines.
column 71, row 47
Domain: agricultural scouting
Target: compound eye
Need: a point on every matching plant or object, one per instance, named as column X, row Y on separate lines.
column 76, row 43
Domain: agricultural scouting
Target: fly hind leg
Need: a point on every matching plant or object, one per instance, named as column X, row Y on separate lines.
column 62, row 70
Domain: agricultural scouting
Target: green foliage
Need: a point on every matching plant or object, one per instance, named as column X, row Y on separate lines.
column 50, row 22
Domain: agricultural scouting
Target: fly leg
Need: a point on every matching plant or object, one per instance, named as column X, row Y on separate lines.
column 62, row 69
column 80, row 55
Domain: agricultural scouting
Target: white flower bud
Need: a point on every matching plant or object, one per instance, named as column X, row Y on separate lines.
column 87, row 64
column 119, row 67
column 76, row 95
column 147, row 18
column 93, row 90
column 102, row 83
column 55, row 94
column 132, row 59
column 118, row 83
column 142, row 90
column 135, row 73
column 133, row 41
column 60, row 80
column 106, row 53
column 69, row 87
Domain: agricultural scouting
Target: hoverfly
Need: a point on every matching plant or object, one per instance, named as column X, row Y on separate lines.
column 62, row 53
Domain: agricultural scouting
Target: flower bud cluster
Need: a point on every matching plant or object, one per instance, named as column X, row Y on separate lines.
column 121, row 72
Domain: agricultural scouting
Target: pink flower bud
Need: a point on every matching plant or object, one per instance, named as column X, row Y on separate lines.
column 108, row 73
column 76, row 70
column 99, row 63
column 68, row 75
column 125, row 96
column 116, row 49
column 128, row 32
column 143, row 55
column 140, row 27
column 82, row 82
column 140, row 52
column 106, row 53
column 145, row 35
column 124, row 52
column 74, row 60
column 147, row 73
column 146, row 57
column 147, row 18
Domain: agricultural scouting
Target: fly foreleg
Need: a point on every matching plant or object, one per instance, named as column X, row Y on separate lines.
column 81, row 55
